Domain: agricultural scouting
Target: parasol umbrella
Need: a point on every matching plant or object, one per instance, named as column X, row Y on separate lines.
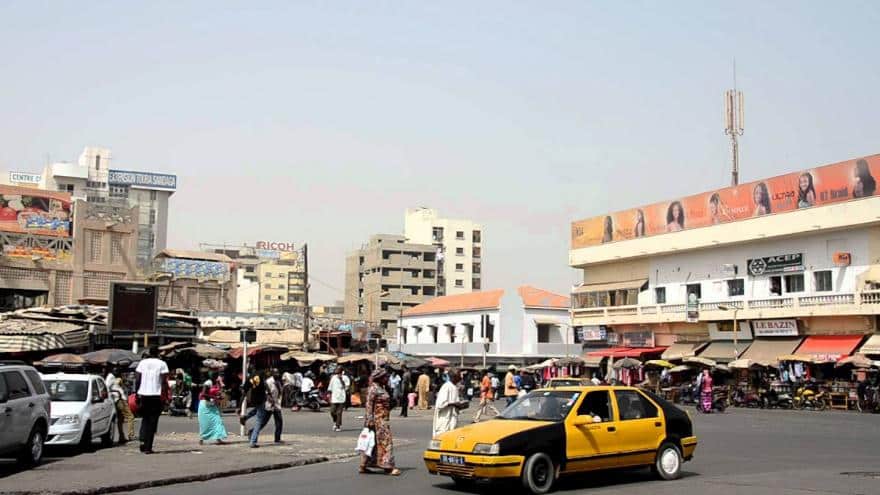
column 681, row 368
column 630, row 363
column 413, row 362
column 213, row 364
column 659, row 363
column 437, row 362
column 701, row 361
column 799, row 358
column 857, row 361
column 61, row 360
column 112, row 357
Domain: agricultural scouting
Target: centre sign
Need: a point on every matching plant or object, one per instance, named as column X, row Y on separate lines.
column 769, row 265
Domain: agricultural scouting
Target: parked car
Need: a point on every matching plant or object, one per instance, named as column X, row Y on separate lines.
column 556, row 432
column 81, row 410
column 24, row 412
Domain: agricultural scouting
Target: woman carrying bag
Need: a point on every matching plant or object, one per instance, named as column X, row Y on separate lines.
column 376, row 418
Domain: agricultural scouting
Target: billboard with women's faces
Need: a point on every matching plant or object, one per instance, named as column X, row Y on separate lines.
column 34, row 211
column 829, row 184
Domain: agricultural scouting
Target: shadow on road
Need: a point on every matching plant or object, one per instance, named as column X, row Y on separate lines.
column 602, row 479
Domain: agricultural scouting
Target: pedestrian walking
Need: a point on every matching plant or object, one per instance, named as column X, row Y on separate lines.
column 120, row 402
column 346, row 380
column 486, row 398
column 151, row 384
column 338, row 393
column 447, row 406
column 510, row 388
column 376, row 417
column 211, row 427
column 496, row 385
column 273, row 403
column 405, row 389
column 423, row 386
column 256, row 388
column 706, row 389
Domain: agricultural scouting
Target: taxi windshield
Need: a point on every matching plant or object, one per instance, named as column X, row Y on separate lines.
column 542, row 406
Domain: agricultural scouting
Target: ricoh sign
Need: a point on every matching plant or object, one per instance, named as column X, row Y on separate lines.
column 286, row 247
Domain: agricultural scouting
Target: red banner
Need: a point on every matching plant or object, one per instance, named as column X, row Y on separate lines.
column 34, row 211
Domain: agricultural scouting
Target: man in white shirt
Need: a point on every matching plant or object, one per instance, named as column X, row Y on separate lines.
column 346, row 380
column 151, row 385
column 307, row 383
column 447, row 406
column 338, row 394
column 273, row 403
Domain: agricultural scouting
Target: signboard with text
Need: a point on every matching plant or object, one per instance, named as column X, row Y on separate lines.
column 34, row 211
column 769, row 265
column 775, row 328
column 142, row 179
column 592, row 333
column 25, row 178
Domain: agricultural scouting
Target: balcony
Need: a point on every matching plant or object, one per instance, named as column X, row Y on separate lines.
column 789, row 306
column 559, row 350
column 470, row 350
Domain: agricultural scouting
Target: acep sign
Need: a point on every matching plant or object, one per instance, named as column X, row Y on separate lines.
column 276, row 246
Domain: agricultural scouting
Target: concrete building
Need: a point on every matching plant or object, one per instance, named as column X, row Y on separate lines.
column 282, row 286
column 459, row 245
column 504, row 326
column 94, row 179
column 787, row 271
column 195, row 280
column 386, row 276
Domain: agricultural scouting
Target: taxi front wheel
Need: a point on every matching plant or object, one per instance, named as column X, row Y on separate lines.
column 538, row 473
column 668, row 463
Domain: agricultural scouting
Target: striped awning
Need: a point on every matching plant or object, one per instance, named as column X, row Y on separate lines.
column 31, row 335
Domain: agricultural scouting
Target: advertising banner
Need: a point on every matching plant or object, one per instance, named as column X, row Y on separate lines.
column 775, row 328
column 783, row 263
column 34, row 211
column 198, row 269
column 844, row 181
column 592, row 333
column 142, row 179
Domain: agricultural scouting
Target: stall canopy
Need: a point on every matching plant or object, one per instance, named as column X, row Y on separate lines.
column 676, row 352
column 593, row 361
column 639, row 352
column 722, row 351
column 22, row 335
column 872, row 346
column 829, row 348
column 767, row 351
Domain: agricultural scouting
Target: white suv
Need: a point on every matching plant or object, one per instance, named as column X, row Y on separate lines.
column 24, row 412
column 81, row 410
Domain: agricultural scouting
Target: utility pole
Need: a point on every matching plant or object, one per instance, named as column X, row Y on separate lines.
column 734, row 124
column 307, row 312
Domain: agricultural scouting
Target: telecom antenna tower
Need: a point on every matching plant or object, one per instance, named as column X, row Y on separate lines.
column 734, row 124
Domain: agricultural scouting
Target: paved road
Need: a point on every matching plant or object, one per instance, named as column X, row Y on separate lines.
column 741, row 452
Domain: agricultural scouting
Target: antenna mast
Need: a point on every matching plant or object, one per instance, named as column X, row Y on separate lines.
column 734, row 124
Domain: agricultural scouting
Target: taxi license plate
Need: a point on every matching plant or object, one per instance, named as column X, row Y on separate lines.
column 452, row 459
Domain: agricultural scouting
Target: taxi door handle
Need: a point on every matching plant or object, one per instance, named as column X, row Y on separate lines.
column 594, row 428
column 612, row 429
column 658, row 424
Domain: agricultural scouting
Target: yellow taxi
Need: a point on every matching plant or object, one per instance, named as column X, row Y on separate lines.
column 549, row 433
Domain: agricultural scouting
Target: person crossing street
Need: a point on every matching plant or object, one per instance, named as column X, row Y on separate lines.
column 486, row 398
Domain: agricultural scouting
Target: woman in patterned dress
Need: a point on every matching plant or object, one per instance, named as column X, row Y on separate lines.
column 376, row 418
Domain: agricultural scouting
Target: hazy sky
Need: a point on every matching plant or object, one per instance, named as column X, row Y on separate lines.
column 323, row 121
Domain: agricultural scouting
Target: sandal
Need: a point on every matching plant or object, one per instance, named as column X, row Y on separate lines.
column 394, row 472
column 362, row 470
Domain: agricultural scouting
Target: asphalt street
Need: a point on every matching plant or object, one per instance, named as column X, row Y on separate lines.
column 740, row 452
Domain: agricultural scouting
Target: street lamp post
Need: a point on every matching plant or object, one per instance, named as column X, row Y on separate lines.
column 724, row 307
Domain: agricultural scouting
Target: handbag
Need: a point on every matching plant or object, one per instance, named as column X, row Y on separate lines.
column 366, row 441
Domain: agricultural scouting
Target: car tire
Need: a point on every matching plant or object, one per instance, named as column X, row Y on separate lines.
column 538, row 474
column 110, row 438
column 667, row 464
column 85, row 441
column 32, row 453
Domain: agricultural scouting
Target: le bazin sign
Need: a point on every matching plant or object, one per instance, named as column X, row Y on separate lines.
column 775, row 328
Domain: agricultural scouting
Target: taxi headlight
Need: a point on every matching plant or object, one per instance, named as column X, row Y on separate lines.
column 487, row 448
column 69, row 419
column 434, row 445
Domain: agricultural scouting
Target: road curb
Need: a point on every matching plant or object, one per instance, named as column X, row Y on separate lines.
column 187, row 479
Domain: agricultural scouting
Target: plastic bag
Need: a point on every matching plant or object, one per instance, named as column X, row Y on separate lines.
column 366, row 442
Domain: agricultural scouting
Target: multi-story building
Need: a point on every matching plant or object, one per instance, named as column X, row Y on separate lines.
column 459, row 245
column 195, row 280
column 499, row 326
column 282, row 286
column 387, row 276
column 792, row 260
column 94, row 180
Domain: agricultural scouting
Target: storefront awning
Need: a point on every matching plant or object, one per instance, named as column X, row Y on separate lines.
column 829, row 348
column 639, row 352
column 548, row 320
column 593, row 361
column 767, row 351
column 681, row 351
column 871, row 346
column 625, row 285
column 611, row 351
column 721, row 351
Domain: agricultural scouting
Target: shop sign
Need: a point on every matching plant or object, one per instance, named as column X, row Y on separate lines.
column 775, row 328
column 842, row 259
column 643, row 338
column 25, row 178
column 592, row 333
column 782, row 263
column 693, row 308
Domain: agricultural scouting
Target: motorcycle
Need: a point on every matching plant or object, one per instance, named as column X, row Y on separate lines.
column 868, row 402
column 313, row 400
column 719, row 402
column 771, row 399
column 743, row 398
column 807, row 398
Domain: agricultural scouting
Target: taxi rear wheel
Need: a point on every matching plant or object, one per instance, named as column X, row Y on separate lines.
column 668, row 463
column 538, row 473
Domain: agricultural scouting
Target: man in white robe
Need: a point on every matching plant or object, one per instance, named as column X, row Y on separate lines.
column 447, row 404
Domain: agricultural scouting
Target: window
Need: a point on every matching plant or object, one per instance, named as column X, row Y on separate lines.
column 634, row 406
column 115, row 248
column 475, row 268
column 95, row 240
column 694, row 289
column 459, row 283
column 68, row 188
column 429, row 291
column 16, row 386
column 775, row 286
column 736, row 287
column 477, row 252
column 794, row 283
column 823, row 281
column 459, row 267
column 459, row 251
column 437, row 234
column 597, row 404
column 280, row 286
column 475, row 284
column 280, row 298
column 459, row 235
column 268, row 274
column 152, row 216
column 153, row 195
column 97, row 162
column 660, row 295
column 36, row 381
column 478, row 236
column 544, row 334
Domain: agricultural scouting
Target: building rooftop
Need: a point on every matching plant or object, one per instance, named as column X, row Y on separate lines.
column 532, row 297
column 195, row 255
